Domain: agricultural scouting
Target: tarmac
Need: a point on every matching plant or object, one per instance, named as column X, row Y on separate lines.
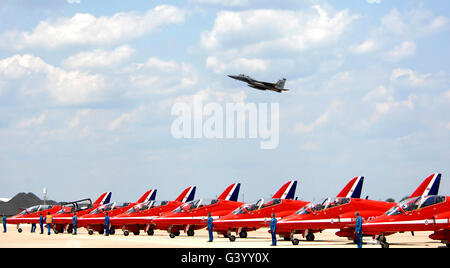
column 257, row 239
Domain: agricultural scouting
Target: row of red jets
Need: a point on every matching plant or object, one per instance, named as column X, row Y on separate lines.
column 424, row 210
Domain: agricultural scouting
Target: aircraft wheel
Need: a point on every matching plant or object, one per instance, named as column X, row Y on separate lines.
column 232, row 238
column 151, row 232
column 295, row 242
column 137, row 233
column 172, row 235
column 101, row 232
column 225, row 235
column 19, row 230
column 190, row 232
column 310, row 237
column 69, row 230
column 243, row 234
column 55, row 231
column 90, row 232
column 286, row 238
column 126, row 233
column 177, row 233
column 384, row 245
column 448, row 245
column 112, row 232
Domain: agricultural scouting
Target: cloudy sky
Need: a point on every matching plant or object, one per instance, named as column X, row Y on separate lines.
column 86, row 90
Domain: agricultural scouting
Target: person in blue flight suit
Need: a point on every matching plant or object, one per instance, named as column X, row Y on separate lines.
column 359, row 230
column 210, row 227
column 33, row 227
column 4, row 223
column 107, row 224
column 273, row 229
column 41, row 223
column 74, row 223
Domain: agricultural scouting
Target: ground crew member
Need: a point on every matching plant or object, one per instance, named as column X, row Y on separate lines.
column 41, row 223
column 4, row 223
column 74, row 223
column 49, row 222
column 107, row 224
column 33, row 227
column 273, row 230
column 359, row 230
column 210, row 227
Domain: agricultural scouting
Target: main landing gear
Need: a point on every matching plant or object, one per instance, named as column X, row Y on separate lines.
column 382, row 240
column 174, row 234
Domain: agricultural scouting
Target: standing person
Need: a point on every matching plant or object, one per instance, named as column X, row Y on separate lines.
column 359, row 230
column 210, row 227
column 107, row 224
column 49, row 222
column 74, row 223
column 273, row 229
column 41, row 223
column 4, row 223
column 33, row 227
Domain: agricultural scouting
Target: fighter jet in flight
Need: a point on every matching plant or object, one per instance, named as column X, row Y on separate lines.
column 278, row 87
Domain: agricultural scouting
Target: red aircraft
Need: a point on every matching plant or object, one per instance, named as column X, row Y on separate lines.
column 62, row 220
column 193, row 215
column 95, row 220
column 423, row 211
column 141, row 215
column 332, row 213
column 338, row 213
column 32, row 214
column 250, row 217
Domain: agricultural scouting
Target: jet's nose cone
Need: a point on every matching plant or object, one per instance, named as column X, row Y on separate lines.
column 233, row 76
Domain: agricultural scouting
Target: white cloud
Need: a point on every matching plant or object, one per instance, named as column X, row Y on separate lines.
column 309, row 146
column 365, row 47
column 99, row 58
column 241, row 64
column 409, row 76
column 416, row 22
column 88, row 29
column 74, row 1
column 157, row 76
column 374, row 1
column 76, row 120
column 320, row 121
column 379, row 93
column 229, row 3
column 65, row 87
column 404, row 50
column 259, row 30
column 132, row 116
column 33, row 122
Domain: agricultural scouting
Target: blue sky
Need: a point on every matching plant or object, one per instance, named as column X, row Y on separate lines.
column 86, row 89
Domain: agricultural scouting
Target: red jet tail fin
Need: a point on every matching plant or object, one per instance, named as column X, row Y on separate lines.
column 187, row 195
column 231, row 193
column 430, row 186
column 287, row 191
column 105, row 198
column 353, row 189
column 148, row 196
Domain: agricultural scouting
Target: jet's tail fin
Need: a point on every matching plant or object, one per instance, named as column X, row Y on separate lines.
column 187, row 195
column 105, row 198
column 231, row 193
column 353, row 189
column 287, row 191
column 150, row 195
column 280, row 84
column 430, row 186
